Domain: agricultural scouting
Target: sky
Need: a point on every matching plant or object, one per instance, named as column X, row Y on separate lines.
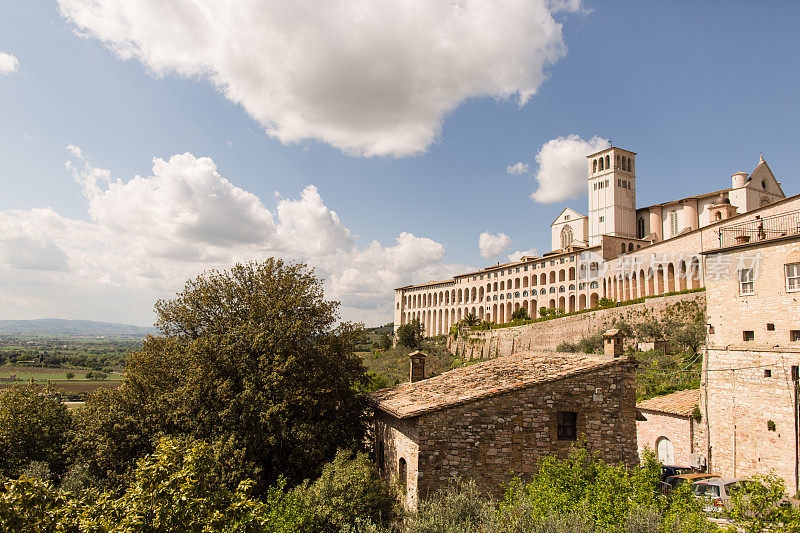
column 381, row 142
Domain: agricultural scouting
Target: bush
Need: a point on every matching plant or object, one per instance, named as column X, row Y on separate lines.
column 605, row 303
column 34, row 425
column 348, row 489
column 520, row 314
column 457, row 508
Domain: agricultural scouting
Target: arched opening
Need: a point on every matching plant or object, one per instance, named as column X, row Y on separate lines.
column 525, row 307
column 534, row 310
column 553, row 276
column 494, row 313
column 695, row 273
column 480, row 293
column 509, row 312
column 516, row 283
column 460, row 295
column 634, row 286
column 670, row 278
column 629, row 165
column 622, row 248
column 630, row 246
column 593, row 300
column 534, row 279
column 561, row 275
column 567, row 236
column 582, row 302
column 552, row 304
column 474, row 294
column 543, row 279
column 572, row 273
column 402, row 474
column 562, row 304
column 641, row 284
column 608, row 161
column 682, row 276
column 665, row 451
column 502, row 313
column 594, row 165
column 502, row 285
column 572, row 303
column 601, row 163
column 660, row 285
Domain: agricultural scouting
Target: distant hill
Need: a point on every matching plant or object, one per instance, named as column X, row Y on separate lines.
column 78, row 328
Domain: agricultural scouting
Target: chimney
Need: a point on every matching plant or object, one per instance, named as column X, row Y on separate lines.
column 417, row 365
column 612, row 344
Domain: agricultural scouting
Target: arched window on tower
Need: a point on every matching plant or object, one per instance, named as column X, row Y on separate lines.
column 608, row 161
column 640, row 228
column 673, row 223
column 601, row 163
column 629, row 164
column 566, row 237
column 594, row 166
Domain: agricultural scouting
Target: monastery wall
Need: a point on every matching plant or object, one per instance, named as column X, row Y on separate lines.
column 549, row 334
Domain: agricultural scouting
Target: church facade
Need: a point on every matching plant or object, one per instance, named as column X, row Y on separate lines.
column 617, row 250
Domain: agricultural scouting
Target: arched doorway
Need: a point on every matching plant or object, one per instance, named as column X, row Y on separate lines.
column 665, row 451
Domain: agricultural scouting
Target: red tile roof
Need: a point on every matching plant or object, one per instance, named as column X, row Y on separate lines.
column 678, row 403
column 483, row 380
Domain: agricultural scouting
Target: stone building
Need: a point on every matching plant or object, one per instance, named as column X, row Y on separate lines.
column 618, row 250
column 750, row 384
column 668, row 427
column 490, row 420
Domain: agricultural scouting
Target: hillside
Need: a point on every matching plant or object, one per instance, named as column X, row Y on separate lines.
column 76, row 328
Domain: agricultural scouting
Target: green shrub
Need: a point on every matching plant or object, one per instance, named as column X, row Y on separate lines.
column 34, row 425
column 410, row 335
column 457, row 508
column 349, row 488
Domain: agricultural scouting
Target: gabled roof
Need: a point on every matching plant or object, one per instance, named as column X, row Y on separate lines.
column 570, row 211
column 680, row 403
column 482, row 380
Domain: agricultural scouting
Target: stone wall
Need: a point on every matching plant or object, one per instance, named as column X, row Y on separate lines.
column 395, row 439
column 678, row 429
column 549, row 334
column 491, row 439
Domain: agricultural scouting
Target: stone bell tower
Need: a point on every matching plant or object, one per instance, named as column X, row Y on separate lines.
column 612, row 194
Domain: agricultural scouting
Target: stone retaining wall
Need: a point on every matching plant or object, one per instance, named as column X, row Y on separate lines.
column 547, row 335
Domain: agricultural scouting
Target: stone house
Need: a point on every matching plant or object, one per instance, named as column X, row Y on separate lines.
column 668, row 427
column 490, row 420
column 751, row 380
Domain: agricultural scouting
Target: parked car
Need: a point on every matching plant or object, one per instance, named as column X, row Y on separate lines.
column 672, row 482
column 673, row 470
column 715, row 493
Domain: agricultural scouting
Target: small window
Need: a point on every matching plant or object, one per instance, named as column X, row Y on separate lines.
column 793, row 277
column 794, row 335
column 767, row 373
column 402, row 473
column 567, row 428
column 748, row 336
column 601, row 219
column 710, row 329
column 770, row 327
column 746, row 276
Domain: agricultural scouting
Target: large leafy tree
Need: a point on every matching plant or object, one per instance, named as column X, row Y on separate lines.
column 250, row 360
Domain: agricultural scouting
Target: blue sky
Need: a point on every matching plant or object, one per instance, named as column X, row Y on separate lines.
column 697, row 89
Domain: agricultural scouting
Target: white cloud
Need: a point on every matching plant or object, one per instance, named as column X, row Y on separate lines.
column 562, row 172
column 9, row 64
column 368, row 77
column 146, row 235
column 519, row 254
column 518, row 168
column 74, row 150
column 492, row 245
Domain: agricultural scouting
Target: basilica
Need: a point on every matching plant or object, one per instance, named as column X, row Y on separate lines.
column 616, row 250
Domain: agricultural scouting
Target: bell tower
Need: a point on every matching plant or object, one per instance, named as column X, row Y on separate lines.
column 612, row 194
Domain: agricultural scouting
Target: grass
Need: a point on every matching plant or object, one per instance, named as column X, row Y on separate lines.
column 36, row 373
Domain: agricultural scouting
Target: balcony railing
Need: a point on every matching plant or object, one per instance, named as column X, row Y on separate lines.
column 760, row 229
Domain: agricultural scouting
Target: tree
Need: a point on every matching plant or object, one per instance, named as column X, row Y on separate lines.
column 520, row 314
column 249, row 360
column 34, row 425
column 384, row 342
column 70, row 375
column 544, row 311
column 471, row 320
column 605, row 303
column 410, row 335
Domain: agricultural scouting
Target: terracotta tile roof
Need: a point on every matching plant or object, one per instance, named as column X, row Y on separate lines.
column 482, row 380
column 680, row 403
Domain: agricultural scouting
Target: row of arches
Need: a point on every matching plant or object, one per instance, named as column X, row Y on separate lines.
column 654, row 280
column 478, row 294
